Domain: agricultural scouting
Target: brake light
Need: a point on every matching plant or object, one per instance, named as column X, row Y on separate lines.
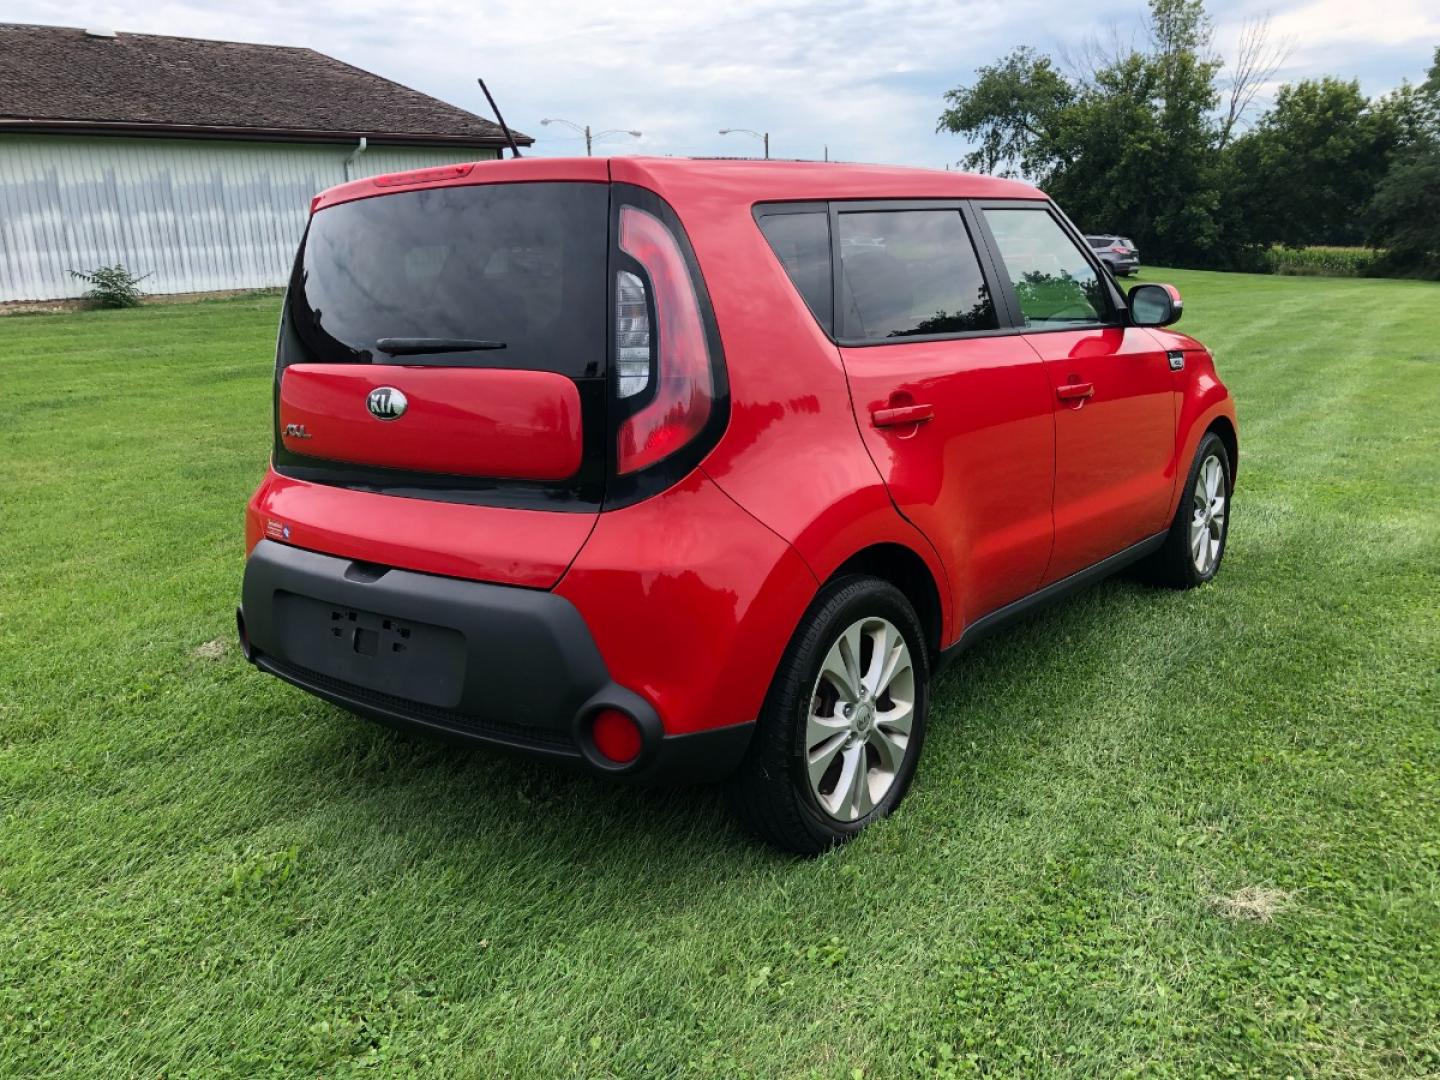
column 1119, row 250
column 685, row 384
column 432, row 175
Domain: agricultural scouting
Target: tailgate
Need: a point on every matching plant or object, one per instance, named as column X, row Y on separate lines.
column 518, row 425
column 531, row 548
column 441, row 377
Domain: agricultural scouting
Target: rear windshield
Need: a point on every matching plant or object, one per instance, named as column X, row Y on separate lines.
column 515, row 265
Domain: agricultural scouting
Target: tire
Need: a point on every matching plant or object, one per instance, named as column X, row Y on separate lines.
column 772, row 792
column 1178, row 564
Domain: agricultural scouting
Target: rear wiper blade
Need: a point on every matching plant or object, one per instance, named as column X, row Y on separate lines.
column 421, row 346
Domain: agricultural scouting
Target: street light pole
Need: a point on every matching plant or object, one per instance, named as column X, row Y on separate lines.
column 585, row 131
column 764, row 138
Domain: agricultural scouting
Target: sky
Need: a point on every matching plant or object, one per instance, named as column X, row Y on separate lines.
column 863, row 78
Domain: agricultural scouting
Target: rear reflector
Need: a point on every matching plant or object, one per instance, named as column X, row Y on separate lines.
column 616, row 736
column 685, row 388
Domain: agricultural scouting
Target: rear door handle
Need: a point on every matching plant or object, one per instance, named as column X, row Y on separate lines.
column 902, row 414
column 1075, row 391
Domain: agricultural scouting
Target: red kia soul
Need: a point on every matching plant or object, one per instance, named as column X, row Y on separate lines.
column 697, row 470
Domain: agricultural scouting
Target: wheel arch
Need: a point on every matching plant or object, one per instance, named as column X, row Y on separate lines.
column 1224, row 427
column 907, row 570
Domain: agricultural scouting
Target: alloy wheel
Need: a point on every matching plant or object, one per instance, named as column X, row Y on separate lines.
column 862, row 708
column 1207, row 524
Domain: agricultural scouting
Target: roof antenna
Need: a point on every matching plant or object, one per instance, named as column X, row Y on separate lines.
column 514, row 150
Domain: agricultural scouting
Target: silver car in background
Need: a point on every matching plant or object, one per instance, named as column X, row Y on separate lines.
column 1119, row 253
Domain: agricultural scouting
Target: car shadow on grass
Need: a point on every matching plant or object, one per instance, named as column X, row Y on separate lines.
column 486, row 808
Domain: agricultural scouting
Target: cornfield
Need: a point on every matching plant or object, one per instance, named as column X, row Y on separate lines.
column 1323, row 261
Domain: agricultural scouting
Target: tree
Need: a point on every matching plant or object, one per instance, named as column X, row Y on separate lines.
column 1311, row 164
column 1405, row 212
column 1009, row 112
column 1257, row 59
column 1128, row 146
column 1147, row 141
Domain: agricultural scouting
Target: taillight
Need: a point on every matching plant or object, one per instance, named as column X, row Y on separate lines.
column 685, row 386
column 1118, row 250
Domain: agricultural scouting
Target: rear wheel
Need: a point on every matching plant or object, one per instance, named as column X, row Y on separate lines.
column 841, row 729
column 1195, row 544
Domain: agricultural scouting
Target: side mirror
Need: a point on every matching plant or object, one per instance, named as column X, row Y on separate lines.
column 1155, row 305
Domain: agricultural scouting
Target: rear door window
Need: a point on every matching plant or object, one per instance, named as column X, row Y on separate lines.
column 909, row 273
column 518, row 266
column 1054, row 282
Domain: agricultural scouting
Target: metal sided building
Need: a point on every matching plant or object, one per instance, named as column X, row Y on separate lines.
column 191, row 161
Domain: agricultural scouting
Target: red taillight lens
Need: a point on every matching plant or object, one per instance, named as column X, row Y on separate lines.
column 424, row 176
column 1118, row 250
column 616, row 736
column 685, row 387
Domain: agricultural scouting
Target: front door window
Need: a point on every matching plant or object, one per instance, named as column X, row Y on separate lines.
column 1054, row 283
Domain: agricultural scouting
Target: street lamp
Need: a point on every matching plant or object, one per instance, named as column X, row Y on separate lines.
column 586, row 131
column 765, row 138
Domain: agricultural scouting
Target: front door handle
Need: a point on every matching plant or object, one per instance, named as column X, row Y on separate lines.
column 902, row 414
column 1075, row 391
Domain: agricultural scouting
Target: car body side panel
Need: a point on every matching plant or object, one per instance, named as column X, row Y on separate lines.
column 1115, row 450
column 978, row 478
column 792, row 455
column 1202, row 399
column 691, row 602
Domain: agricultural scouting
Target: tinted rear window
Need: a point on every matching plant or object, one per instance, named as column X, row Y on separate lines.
column 908, row 273
column 522, row 264
column 801, row 242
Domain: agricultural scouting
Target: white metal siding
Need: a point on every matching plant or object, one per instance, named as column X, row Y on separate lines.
column 197, row 214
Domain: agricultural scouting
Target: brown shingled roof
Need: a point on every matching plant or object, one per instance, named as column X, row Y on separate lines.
column 57, row 78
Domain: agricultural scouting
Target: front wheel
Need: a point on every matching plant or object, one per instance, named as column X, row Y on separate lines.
column 841, row 729
column 1195, row 544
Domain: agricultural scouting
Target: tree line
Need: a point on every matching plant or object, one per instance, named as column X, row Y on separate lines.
column 1154, row 141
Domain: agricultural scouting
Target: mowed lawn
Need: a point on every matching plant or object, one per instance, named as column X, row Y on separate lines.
column 1153, row 834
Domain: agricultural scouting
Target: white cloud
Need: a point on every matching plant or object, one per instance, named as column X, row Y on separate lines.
column 1356, row 26
column 864, row 77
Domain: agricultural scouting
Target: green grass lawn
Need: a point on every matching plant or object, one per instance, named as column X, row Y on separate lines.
column 1153, row 834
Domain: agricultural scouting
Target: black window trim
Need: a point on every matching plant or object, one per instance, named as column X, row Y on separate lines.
column 1119, row 314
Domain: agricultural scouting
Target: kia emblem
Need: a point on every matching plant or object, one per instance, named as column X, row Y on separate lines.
column 386, row 403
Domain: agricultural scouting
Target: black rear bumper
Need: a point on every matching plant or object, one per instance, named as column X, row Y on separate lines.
column 466, row 661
